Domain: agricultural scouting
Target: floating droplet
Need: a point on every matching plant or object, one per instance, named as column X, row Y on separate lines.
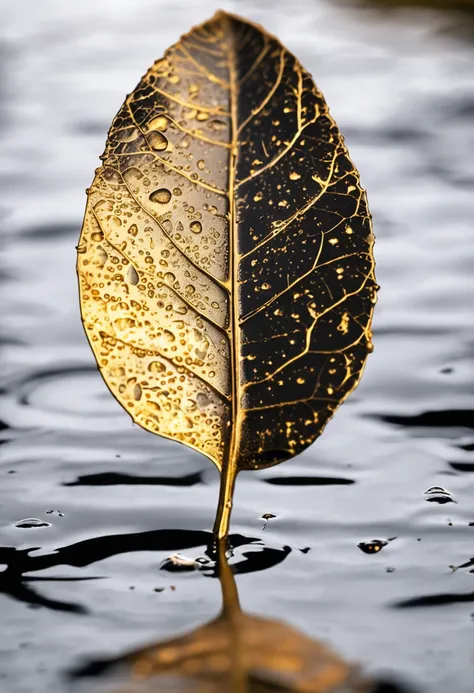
column 97, row 236
column 373, row 546
column 137, row 392
column 31, row 523
column 178, row 563
column 201, row 165
column 266, row 517
column 438, row 494
column 51, row 511
column 177, row 192
column 294, row 176
column 162, row 196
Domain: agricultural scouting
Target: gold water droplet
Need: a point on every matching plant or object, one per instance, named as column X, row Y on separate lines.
column 294, row 176
column 115, row 221
column 156, row 367
column 169, row 277
column 265, row 286
column 97, row 236
column 157, row 141
column 190, row 289
column 258, row 197
column 117, row 372
column 169, row 336
column 177, row 192
column 101, row 256
column 137, row 392
column 195, row 226
column 201, row 165
column 132, row 275
column 81, row 248
column 162, row 196
column 159, row 123
column 124, row 323
column 133, row 230
column 202, row 116
column 216, row 125
column 202, row 400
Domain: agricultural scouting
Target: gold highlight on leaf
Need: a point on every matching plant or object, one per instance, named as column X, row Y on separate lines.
column 226, row 253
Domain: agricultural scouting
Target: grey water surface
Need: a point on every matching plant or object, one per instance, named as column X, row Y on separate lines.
column 104, row 499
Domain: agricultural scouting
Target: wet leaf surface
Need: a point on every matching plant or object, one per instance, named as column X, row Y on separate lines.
column 225, row 264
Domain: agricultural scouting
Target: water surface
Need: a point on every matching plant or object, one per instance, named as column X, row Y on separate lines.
column 401, row 87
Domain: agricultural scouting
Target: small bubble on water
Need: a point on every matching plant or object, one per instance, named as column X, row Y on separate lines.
column 438, row 494
column 373, row 546
column 31, row 523
column 266, row 517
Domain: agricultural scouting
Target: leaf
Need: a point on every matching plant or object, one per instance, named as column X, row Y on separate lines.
column 225, row 263
column 236, row 653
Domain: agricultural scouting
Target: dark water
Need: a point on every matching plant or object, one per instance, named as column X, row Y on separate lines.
column 401, row 87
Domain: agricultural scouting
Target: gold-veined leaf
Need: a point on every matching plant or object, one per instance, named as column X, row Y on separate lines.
column 225, row 263
column 235, row 653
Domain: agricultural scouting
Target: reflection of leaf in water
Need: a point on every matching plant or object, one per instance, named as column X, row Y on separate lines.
column 274, row 656
column 225, row 263
column 238, row 653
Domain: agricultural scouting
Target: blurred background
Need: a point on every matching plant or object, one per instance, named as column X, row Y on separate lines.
column 74, row 471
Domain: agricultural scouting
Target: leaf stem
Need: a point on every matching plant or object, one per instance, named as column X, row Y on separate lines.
column 226, row 493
